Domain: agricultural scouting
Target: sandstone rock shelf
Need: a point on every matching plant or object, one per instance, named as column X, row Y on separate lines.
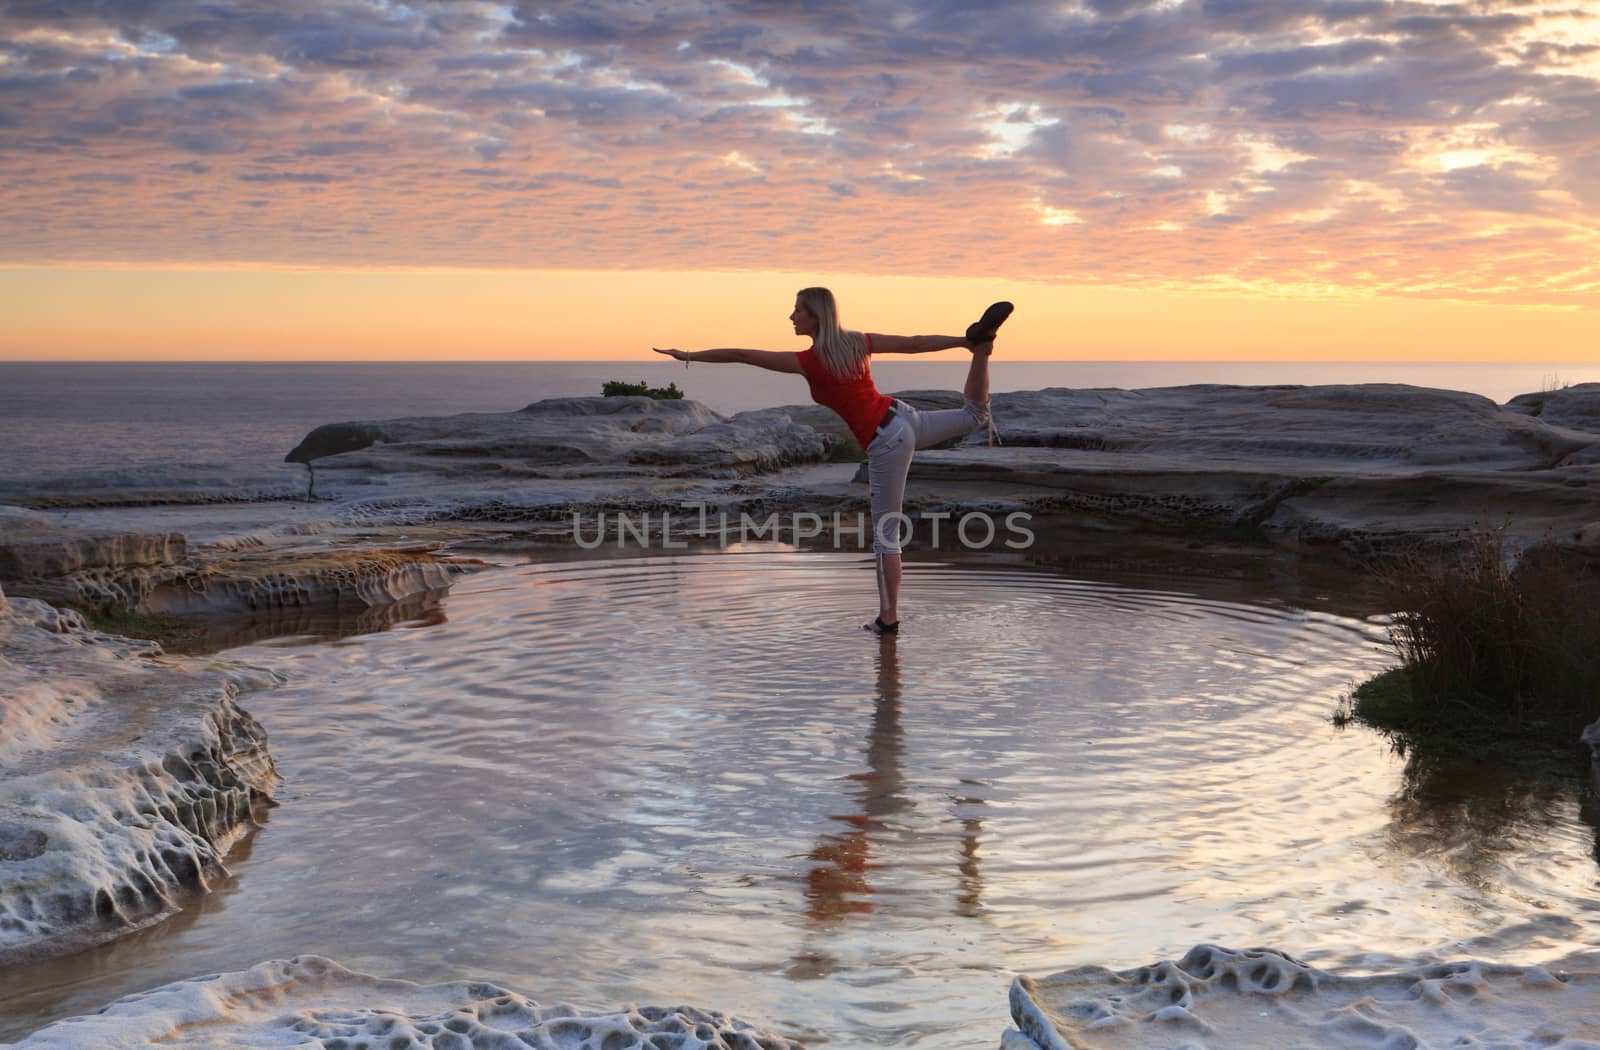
column 312, row 1001
column 125, row 783
column 1351, row 470
column 126, row 780
column 1221, row 998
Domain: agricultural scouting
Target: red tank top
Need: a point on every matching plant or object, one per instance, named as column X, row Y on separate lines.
column 855, row 399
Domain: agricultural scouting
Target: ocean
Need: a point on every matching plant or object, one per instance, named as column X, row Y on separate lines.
column 90, row 425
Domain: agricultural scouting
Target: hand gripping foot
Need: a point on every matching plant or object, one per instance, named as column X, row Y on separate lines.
column 984, row 328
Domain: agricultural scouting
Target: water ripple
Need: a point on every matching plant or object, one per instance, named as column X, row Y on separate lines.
column 696, row 778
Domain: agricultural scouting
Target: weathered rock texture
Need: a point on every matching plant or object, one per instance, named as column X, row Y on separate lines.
column 162, row 574
column 1348, row 428
column 1357, row 469
column 310, row 1001
column 1360, row 469
column 275, row 580
column 1356, row 472
column 122, row 782
column 572, row 437
column 33, row 546
column 1576, row 407
column 1241, row 1000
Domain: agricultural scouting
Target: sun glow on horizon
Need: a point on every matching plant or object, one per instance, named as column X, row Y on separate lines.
column 1156, row 180
column 187, row 313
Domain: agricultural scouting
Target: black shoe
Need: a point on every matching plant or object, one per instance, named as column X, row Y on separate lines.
column 984, row 328
column 878, row 627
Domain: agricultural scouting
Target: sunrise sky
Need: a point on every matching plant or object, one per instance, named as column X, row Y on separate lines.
column 1207, row 179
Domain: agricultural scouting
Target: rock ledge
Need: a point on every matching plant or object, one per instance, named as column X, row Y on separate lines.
column 1217, row 997
column 124, row 783
column 312, row 1001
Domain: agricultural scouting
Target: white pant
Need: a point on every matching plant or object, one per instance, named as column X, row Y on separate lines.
column 889, row 461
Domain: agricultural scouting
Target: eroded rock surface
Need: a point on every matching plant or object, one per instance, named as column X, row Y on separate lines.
column 1358, row 471
column 161, row 573
column 1360, row 428
column 569, row 437
column 276, row 580
column 1359, row 468
column 34, row 546
column 1577, row 407
column 123, row 782
column 1216, row 997
column 311, row 1001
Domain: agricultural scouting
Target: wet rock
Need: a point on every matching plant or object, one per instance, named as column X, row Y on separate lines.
column 1217, row 997
column 20, row 842
column 316, row 1002
column 123, row 783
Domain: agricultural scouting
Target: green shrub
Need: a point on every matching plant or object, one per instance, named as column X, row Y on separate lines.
column 1489, row 648
column 617, row 388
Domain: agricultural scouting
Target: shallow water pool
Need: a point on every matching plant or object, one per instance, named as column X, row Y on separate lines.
column 695, row 779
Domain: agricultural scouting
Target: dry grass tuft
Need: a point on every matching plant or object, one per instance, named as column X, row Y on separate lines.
column 1488, row 645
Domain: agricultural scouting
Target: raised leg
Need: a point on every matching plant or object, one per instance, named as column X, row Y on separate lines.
column 977, row 388
column 938, row 426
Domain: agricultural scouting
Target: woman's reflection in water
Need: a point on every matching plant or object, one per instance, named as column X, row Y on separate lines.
column 839, row 882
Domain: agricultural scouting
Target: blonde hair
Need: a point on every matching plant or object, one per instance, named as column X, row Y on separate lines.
column 843, row 354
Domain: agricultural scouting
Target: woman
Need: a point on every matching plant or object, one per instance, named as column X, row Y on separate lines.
column 838, row 369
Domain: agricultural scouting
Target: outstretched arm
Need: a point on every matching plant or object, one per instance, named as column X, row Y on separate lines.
column 917, row 344
column 773, row 360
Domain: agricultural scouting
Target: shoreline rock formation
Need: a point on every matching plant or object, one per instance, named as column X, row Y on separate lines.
column 164, row 574
column 123, row 783
column 310, row 1000
column 1358, row 471
column 1217, row 997
column 150, row 773
column 1350, row 473
column 567, row 436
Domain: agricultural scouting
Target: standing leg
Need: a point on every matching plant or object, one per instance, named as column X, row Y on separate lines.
column 889, row 589
column 888, row 462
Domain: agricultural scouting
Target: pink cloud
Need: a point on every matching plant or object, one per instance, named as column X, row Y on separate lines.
column 1396, row 147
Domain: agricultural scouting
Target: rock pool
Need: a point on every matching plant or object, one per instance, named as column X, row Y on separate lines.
column 694, row 779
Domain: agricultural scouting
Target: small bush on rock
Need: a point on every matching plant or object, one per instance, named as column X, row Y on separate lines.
column 1490, row 648
column 617, row 388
